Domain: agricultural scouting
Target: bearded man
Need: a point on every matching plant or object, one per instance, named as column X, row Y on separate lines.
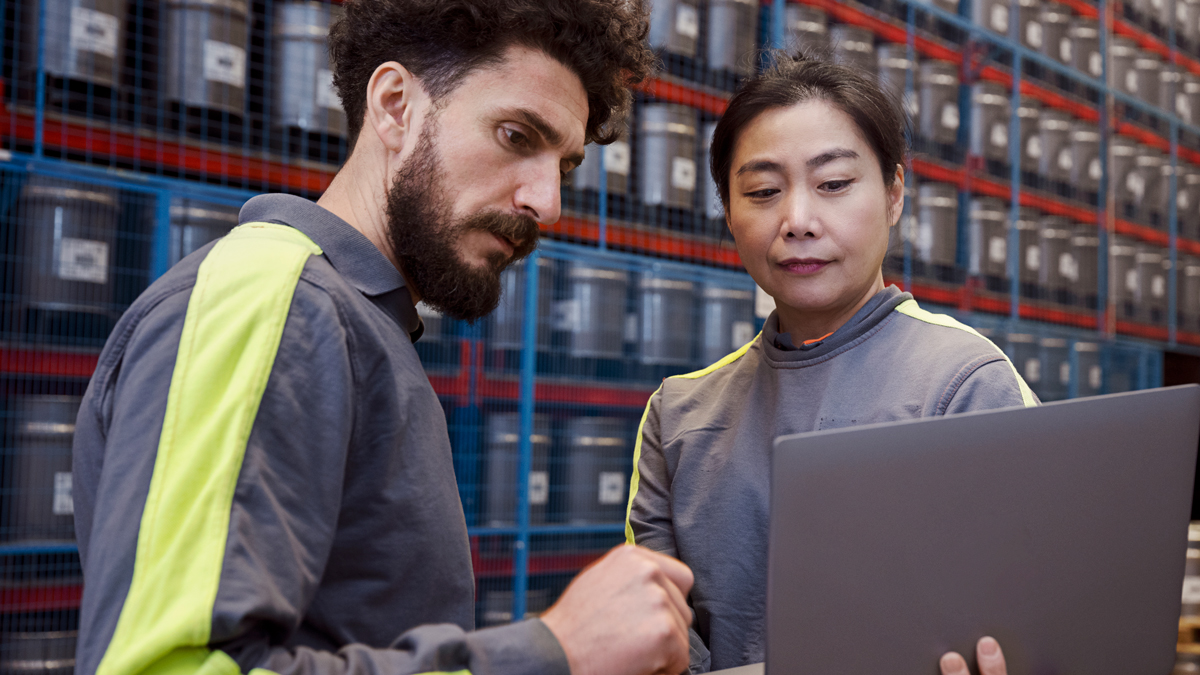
column 263, row 477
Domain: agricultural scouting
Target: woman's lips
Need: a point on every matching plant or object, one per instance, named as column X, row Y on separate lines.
column 804, row 266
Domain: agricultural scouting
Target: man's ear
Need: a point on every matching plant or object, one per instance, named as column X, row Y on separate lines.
column 393, row 96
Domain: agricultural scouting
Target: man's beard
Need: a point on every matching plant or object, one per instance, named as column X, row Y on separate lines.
column 423, row 236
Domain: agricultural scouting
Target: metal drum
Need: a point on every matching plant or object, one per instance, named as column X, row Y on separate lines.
column 675, row 26
column 665, row 318
column 992, row 14
column 599, row 456
column 1122, row 75
column 1060, row 269
column 195, row 223
column 503, row 459
column 204, row 60
column 1029, row 111
column 1055, row 20
column 1033, row 33
column 303, row 88
column 618, row 159
column 1123, row 176
column 732, row 29
column 667, row 155
column 39, row 487
column 895, row 69
column 1148, row 68
column 1187, row 13
column 1152, row 265
column 1187, row 201
column 939, row 116
column 989, row 242
column 68, row 234
column 1084, row 39
column 937, row 225
column 1187, row 98
column 507, row 323
column 727, row 321
column 853, row 47
column 1056, row 162
column 807, row 29
column 1029, row 248
column 1191, row 582
column 1086, row 163
column 1024, row 351
column 594, row 313
column 83, row 40
column 432, row 321
column 1170, row 83
column 1091, row 373
column 711, row 198
column 990, row 115
column 1188, row 315
column 1056, row 369
column 49, row 652
column 1123, row 277
column 1085, row 242
column 1144, row 185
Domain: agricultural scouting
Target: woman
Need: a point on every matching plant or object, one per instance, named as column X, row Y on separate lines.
column 808, row 159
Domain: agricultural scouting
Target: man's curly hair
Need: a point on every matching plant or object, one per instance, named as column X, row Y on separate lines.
column 440, row 41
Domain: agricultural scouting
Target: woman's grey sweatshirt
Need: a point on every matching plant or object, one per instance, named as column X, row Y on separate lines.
column 699, row 490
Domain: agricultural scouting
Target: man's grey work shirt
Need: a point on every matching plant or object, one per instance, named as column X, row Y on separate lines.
column 339, row 544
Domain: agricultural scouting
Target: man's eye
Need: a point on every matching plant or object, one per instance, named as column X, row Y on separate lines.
column 516, row 137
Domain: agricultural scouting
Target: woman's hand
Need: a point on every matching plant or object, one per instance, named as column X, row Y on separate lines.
column 987, row 655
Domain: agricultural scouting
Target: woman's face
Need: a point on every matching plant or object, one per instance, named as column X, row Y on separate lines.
column 809, row 213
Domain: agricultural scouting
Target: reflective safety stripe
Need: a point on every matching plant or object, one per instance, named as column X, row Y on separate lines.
column 911, row 308
column 235, row 319
column 635, row 478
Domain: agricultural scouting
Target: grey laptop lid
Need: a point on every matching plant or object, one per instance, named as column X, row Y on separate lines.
column 1060, row 530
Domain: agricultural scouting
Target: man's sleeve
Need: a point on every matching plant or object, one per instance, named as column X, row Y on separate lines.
column 213, row 523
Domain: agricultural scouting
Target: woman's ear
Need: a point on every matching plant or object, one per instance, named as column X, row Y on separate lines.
column 896, row 196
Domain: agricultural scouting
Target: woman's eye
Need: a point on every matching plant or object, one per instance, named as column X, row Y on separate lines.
column 762, row 194
column 835, row 185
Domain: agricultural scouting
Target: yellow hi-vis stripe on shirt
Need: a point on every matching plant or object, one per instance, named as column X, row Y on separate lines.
column 234, row 323
column 911, row 308
column 636, row 478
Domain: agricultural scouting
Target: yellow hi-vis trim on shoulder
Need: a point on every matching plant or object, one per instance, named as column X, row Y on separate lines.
column 235, row 319
column 912, row 309
column 635, row 478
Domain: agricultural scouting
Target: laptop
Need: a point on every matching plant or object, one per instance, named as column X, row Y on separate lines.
column 1060, row 530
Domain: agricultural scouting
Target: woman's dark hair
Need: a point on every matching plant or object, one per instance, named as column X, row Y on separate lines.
column 793, row 79
column 441, row 41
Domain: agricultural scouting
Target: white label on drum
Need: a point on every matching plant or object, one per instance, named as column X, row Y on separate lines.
column 1033, row 370
column 1095, row 64
column 612, row 487
column 1158, row 286
column 539, row 488
column 1095, row 170
column 326, row 95
column 1191, row 590
column 1183, row 106
column 1181, row 12
column 741, row 333
column 426, row 312
column 1065, row 161
column 923, row 242
column 225, row 63
column 763, row 303
column 912, row 105
column 950, row 116
column 999, row 18
column 83, row 260
column 95, row 32
column 683, row 173
column 687, row 21
column 1156, row 4
column 1131, row 280
column 997, row 249
column 1131, row 84
column 616, row 158
column 631, row 327
column 1136, row 184
column 1033, row 34
column 1033, row 258
column 1000, row 135
column 1034, row 148
column 567, row 316
column 1064, row 373
column 64, row 504
column 1095, row 377
column 1064, row 50
column 1068, row 267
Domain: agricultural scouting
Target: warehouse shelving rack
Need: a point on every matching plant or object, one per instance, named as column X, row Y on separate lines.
column 513, row 562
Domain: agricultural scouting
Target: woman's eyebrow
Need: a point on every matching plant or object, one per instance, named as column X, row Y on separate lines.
column 827, row 157
column 760, row 166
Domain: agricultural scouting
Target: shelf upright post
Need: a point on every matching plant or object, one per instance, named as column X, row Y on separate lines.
column 910, row 53
column 1014, row 165
column 160, row 246
column 778, row 23
column 1073, row 364
column 1106, row 204
column 39, row 112
column 525, row 443
column 602, row 219
column 1173, row 233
